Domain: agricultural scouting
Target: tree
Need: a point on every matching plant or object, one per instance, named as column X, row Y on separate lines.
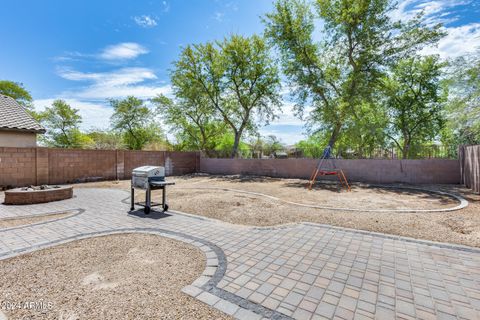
column 415, row 101
column 135, row 121
column 18, row 92
column 106, row 139
column 310, row 147
column 225, row 144
column 153, row 135
column 62, row 123
column 193, row 121
column 464, row 100
column 238, row 78
column 267, row 145
column 339, row 74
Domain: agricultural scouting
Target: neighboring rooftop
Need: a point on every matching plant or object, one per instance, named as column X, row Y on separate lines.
column 14, row 117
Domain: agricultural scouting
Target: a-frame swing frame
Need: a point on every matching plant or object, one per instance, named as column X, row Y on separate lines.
column 318, row 171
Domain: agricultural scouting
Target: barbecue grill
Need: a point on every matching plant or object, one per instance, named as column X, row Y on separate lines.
column 149, row 178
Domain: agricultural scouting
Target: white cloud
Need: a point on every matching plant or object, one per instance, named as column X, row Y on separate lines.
column 219, row 16
column 459, row 41
column 118, row 52
column 145, row 21
column 165, row 6
column 94, row 115
column 288, row 117
column 116, row 77
column 114, row 84
column 123, row 51
column 70, row 56
column 289, row 137
column 436, row 11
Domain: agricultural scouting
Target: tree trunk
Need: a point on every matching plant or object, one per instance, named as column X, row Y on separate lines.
column 334, row 136
column 236, row 143
column 405, row 150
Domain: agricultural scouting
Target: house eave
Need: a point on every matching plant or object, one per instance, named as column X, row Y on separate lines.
column 38, row 131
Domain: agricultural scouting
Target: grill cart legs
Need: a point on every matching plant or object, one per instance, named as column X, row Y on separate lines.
column 149, row 178
column 132, row 198
column 148, row 200
column 164, row 199
column 148, row 197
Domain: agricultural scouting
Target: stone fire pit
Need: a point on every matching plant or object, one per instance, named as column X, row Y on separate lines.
column 38, row 194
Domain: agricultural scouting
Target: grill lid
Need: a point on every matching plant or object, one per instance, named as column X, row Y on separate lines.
column 149, row 171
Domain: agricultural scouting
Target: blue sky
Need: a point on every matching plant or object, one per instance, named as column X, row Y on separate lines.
column 87, row 51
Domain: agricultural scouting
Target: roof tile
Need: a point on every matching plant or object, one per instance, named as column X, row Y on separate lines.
column 15, row 117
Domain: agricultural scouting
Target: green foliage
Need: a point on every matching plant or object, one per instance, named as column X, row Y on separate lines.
column 339, row 75
column 267, row 145
column 192, row 120
column 108, row 140
column 62, row 124
column 18, row 92
column 463, row 125
column 226, row 142
column 313, row 146
column 149, row 137
column 235, row 80
column 133, row 119
column 360, row 79
column 415, row 102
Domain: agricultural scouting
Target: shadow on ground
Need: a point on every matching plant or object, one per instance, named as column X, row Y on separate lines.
column 154, row 214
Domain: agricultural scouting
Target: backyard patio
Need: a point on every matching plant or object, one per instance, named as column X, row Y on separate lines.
column 251, row 160
column 430, row 212
column 246, row 247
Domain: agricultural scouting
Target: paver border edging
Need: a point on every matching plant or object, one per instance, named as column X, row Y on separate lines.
column 463, row 202
column 203, row 288
column 430, row 243
column 74, row 213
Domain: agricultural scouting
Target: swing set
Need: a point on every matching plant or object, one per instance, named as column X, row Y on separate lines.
column 321, row 170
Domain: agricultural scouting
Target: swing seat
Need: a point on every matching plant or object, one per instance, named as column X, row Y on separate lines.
column 332, row 172
column 327, row 173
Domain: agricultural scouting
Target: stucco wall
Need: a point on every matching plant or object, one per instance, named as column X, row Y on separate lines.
column 368, row 170
column 17, row 139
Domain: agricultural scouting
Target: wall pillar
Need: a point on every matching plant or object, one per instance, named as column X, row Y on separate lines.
column 120, row 164
column 41, row 166
column 168, row 164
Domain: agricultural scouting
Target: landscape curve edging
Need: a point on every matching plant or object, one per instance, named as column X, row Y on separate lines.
column 73, row 213
column 204, row 288
column 463, row 202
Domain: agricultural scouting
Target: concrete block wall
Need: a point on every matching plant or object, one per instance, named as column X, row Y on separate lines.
column 364, row 170
column 180, row 163
column 36, row 166
column 17, row 166
column 134, row 159
column 72, row 165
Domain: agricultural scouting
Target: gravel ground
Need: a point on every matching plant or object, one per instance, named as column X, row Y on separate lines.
column 15, row 222
column 128, row 276
column 462, row 226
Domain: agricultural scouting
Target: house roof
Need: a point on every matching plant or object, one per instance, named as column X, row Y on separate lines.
column 14, row 117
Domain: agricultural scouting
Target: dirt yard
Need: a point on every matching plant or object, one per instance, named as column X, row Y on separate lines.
column 15, row 222
column 128, row 276
column 189, row 195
